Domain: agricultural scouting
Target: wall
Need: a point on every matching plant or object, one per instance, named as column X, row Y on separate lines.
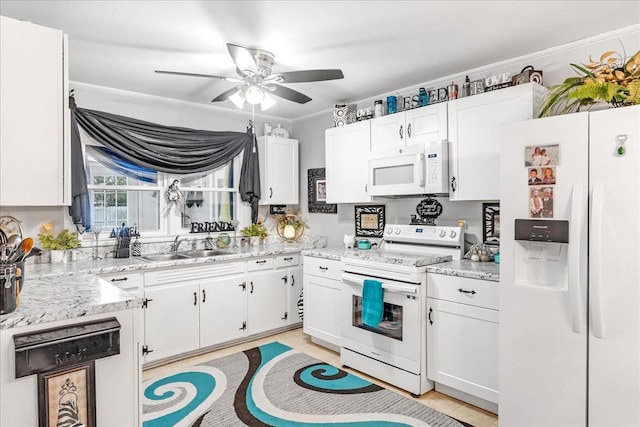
column 554, row 62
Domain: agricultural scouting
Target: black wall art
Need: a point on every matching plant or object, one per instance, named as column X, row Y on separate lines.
column 318, row 192
column 491, row 223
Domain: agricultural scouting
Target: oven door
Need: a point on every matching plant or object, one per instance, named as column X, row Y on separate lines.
column 397, row 339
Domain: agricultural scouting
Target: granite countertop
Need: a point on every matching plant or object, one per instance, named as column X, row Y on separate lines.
column 470, row 269
column 72, row 290
column 435, row 264
column 377, row 255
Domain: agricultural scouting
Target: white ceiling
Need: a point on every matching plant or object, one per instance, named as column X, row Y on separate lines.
column 380, row 45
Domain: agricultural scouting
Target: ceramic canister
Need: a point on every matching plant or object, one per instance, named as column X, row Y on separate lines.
column 340, row 114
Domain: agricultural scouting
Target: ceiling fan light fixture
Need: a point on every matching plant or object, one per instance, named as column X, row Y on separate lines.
column 237, row 98
column 267, row 102
column 254, row 95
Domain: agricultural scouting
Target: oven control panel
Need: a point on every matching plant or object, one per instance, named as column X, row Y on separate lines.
column 424, row 235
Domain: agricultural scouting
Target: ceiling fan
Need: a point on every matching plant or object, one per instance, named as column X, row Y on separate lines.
column 257, row 84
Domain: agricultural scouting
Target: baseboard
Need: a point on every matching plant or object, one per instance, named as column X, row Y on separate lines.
column 220, row 346
column 473, row 400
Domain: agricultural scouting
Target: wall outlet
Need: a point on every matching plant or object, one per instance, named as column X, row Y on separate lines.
column 462, row 223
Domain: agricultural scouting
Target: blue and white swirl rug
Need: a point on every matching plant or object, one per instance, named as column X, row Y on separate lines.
column 275, row 385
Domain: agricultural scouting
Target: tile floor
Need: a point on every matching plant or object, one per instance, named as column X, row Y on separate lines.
column 300, row 341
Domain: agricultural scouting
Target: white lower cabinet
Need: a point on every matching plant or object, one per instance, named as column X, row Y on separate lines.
column 322, row 294
column 266, row 301
column 195, row 307
column 223, row 309
column 462, row 335
column 294, row 289
column 171, row 319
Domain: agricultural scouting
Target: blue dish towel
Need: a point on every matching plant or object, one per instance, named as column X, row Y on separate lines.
column 372, row 305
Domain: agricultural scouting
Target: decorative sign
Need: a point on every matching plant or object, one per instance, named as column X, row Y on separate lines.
column 428, row 210
column 491, row 223
column 209, row 227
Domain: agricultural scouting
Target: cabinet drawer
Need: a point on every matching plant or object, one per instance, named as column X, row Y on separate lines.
column 125, row 280
column 260, row 264
column 481, row 293
column 322, row 267
column 287, row 260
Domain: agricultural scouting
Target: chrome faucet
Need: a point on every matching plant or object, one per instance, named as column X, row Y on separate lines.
column 176, row 243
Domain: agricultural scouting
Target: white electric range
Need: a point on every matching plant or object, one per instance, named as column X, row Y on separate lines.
column 394, row 351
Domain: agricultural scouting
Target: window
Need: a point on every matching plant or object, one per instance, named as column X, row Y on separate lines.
column 120, row 192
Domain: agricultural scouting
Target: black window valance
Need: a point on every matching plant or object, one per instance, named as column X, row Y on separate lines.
column 168, row 149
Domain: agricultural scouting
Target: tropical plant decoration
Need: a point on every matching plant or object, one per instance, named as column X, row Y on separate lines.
column 612, row 79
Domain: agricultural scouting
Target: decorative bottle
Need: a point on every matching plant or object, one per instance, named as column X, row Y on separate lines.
column 466, row 87
column 423, row 97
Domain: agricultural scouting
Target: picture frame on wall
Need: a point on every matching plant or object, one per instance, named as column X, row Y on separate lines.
column 67, row 396
column 491, row 223
column 370, row 220
column 317, row 192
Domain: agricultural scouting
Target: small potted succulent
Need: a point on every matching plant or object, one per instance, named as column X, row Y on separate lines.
column 59, row 243
column 255, row 232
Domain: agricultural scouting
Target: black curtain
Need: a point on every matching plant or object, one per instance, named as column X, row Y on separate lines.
column 163, row 148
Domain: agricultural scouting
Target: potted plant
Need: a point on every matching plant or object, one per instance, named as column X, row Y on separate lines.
column 612, row 79
column 256, row 232
column 58, row 244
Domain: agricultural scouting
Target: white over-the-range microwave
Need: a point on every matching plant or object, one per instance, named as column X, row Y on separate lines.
column 415, row 171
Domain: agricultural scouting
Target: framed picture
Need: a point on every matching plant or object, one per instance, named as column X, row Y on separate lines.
column 67, row 396
column 317, row 189
column 491, row 223
column 369, row 221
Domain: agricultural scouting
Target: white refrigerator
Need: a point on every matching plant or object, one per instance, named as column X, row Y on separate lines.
column 570, row 270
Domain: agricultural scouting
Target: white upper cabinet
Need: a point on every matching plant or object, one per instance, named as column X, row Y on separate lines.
column 346, row 160
column 278, row 170
column 475, row 127
column 34, row 116
column 407, row 132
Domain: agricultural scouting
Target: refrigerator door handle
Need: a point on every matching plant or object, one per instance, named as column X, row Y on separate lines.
column 595, row 255
column 575, row 261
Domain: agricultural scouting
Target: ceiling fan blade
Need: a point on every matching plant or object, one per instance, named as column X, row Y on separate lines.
column 290, row 94
column 225, row 95
column 243, row 59
column 306, row 76
column 180, row 73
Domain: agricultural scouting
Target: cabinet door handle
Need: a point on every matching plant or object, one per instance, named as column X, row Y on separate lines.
column 289, row 258
column 195, row 298
column 270, row 192
column 251, row 288
column 262, row 261
column 243, row 285
column 401, row 132
column 464, row 291
column 244, row 326
column 120, row 280
column 453, row 184
column 285, row 316
column 409, row 130
column 323, row 268
column 293, row 280
column 204, row 296
column 430, row 311
column 285, row 279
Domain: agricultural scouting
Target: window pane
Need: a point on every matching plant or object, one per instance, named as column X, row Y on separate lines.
column 139, row 208
column 208, row 206
column 220, row 178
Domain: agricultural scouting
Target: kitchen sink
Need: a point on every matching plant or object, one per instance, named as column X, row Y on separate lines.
column 164, row 257
column 205, row 253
